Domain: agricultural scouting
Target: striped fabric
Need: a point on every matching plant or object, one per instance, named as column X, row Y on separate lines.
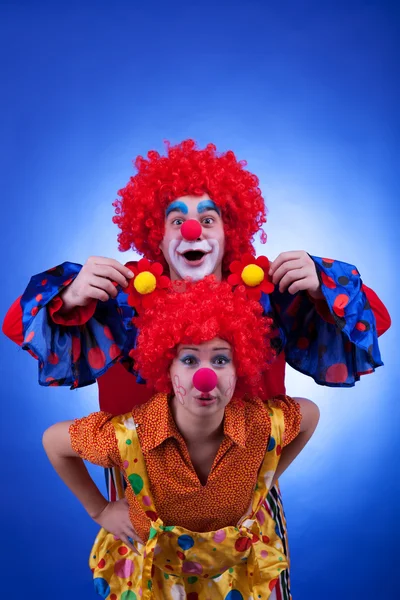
column 115, row 489
column 274, row 506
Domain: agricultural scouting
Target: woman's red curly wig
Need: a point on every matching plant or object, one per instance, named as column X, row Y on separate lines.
column 202, row 311
column 187, row 170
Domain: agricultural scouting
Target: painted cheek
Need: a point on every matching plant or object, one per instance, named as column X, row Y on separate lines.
column 179, row 389
column 230, row 386
column 171, row 245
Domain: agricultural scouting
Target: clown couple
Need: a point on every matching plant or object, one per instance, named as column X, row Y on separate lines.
column 194, row 508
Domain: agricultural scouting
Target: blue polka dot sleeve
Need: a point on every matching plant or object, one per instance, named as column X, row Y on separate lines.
column 334, row 349
column 74, row 356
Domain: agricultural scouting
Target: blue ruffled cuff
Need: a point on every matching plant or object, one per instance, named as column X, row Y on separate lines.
column 334, row 351
column 75, row 355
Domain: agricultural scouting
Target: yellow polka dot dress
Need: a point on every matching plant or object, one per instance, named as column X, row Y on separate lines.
column 235, row 562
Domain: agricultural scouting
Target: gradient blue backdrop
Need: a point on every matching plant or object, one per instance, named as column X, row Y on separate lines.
column 306, row 92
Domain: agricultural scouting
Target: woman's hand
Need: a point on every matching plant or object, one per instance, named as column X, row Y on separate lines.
column 114, row 518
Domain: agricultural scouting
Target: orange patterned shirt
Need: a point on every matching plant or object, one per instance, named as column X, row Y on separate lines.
column 178, row 495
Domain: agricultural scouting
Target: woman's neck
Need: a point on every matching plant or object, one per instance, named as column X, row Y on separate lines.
column 195, row 428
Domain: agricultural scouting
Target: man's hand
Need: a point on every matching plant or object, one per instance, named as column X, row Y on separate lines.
column 114, row 518
column 295, row 271
column 96, row 280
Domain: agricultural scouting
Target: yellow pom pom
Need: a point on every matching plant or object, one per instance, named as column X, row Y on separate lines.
column 252, row 275
column 145, row 283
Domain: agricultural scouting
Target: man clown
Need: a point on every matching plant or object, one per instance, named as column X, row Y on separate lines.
column 193, row 213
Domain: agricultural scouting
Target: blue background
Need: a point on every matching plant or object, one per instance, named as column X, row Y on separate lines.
column 305, row 92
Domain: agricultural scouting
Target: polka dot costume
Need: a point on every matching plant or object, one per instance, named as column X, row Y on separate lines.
column 232, row 561
column 335, row 345
column 174, row 482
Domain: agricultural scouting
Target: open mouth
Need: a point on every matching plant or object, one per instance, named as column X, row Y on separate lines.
column 194, row 255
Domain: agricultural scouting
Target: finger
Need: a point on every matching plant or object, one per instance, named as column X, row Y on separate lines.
column 95, row 293
column 290, row 278
column 111, row 262
column 129, row 542
column 300, row 285
column 130, row 531
column 289, row 265
column 283, row 257
column 126, row 524
column 110, row 273
column 102, row 283
column 134, row 536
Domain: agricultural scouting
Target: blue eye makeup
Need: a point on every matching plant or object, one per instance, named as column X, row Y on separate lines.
column 189, row 360
column 205, row 205
column 177, row 206
column 221, row 360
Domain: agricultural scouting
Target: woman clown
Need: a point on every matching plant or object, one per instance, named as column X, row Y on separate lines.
column 198, row 459
column 193, row 213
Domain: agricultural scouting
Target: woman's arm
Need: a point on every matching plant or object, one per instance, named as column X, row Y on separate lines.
column 309, row 421
column 113, row 516
column 71, row 468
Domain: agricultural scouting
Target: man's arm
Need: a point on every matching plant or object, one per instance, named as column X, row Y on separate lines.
column 296, row 271
column 71, row 319
column 381, row 314
column 12, row 324
column 327, row 318
column 97, row 280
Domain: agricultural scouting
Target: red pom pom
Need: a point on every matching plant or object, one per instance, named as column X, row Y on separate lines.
column 205, row 380
column 191, row 230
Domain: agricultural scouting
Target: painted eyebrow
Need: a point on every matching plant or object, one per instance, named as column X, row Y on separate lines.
column 212, row 350
column 191, row 348
column 205, row 205
column 177, row 206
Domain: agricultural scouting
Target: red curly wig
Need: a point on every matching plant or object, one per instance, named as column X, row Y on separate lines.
column 187, row 170
column 199, row 313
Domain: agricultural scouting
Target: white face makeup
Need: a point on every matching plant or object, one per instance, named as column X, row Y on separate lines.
column 195, row 259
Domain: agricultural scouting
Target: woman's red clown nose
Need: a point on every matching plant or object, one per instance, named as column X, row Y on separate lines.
column 191, row 230
column 205, row 380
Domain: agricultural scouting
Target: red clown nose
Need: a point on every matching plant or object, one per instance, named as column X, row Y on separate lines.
column 191, row 230
column 205, row 380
